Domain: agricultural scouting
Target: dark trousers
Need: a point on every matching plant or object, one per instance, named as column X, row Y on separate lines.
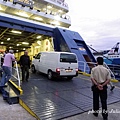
column 103, row 96
column 7, row 73
column 25, row 73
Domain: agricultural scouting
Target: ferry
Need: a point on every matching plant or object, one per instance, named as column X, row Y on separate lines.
column 111, row 58
column 40, row 25
column 42, row 16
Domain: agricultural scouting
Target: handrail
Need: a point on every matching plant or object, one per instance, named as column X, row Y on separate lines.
column 60, row 2
column 105, row 65
column 84, row 65
column 18, row 76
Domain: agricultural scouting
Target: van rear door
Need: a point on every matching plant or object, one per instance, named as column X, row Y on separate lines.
column 68, row 64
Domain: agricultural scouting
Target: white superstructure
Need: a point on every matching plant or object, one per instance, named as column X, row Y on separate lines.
column 52, row 12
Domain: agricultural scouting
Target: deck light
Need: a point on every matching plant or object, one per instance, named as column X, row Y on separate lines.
column 8, row 39
column 17, row 32
column 25, row 43
column 49, row 7
column 38, row 18
column 38, row 37
column 18, row 44
column 60, row 11
column 1, row 8
column 55, row 23
column 23, row 14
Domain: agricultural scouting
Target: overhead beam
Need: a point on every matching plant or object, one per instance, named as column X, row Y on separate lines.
column 4, row 32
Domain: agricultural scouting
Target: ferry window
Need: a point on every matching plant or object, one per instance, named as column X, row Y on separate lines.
column 68, row 58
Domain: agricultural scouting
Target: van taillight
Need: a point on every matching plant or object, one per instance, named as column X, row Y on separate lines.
column 58, row 70
column 76, row 69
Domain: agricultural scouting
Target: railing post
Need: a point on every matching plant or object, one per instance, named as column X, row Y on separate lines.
column 84, row 66
column 17, row 74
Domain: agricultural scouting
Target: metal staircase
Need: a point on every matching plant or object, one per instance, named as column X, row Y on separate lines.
column 13, row 88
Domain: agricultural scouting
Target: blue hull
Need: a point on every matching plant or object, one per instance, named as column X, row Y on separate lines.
column 114, row 66
column 115, row 61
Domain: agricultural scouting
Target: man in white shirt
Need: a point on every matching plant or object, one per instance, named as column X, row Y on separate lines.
column 100, row 77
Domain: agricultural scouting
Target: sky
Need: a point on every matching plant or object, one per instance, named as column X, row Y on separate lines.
column 97, row 21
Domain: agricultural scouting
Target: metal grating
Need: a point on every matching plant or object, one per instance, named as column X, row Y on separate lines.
column 60, row 98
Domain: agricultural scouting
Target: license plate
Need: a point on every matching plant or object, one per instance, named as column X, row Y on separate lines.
column 68, row 70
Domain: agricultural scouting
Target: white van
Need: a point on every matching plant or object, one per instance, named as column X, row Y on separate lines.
column 56, row 64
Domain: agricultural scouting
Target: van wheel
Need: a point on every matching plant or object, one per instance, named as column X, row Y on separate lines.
column 33, row 69
column 50, row 75
column 69, row 78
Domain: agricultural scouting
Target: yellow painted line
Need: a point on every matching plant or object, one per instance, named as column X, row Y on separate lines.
column 86, row 74
column 28, row 109
column 17, row 87
column 114, row 80
column 83, row 73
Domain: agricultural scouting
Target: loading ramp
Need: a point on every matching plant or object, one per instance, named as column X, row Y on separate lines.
column 58, row 99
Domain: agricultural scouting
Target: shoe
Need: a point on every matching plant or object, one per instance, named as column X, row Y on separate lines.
column 5, row 95
column 112, row 88
column 95, row 114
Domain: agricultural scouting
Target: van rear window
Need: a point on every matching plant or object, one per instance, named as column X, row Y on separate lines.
column 68, row 58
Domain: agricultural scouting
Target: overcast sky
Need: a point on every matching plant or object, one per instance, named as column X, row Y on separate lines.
column 97, row 21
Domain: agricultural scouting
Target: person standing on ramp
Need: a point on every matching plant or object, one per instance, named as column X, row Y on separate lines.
column 100, row 77
column 25, row 65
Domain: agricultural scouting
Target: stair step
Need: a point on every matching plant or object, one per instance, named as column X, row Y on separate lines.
column 12, row 100
column 13, row 97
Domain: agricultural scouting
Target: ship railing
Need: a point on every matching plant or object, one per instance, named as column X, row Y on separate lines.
column 87, row 66
column 115, row 69
column 16, row 74
column 61, row 2
column 111, row 72
column 35, row 6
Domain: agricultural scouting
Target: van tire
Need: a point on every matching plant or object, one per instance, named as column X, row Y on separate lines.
column 69, row 78
column 33, row 69
column 50, row 74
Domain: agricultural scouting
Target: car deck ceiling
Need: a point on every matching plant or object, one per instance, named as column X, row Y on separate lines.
column 10, row 39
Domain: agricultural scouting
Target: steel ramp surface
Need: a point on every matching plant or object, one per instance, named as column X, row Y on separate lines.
column 57, row 99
